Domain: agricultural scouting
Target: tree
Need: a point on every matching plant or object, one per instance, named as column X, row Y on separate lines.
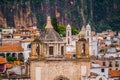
column 74, row 31
column 10, row 58
column 55, row 24
column 2, row 54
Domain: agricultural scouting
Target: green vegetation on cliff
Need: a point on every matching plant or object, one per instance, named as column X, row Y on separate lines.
column 101, row 14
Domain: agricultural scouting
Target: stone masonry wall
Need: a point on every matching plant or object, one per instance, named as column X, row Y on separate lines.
column 70, row 69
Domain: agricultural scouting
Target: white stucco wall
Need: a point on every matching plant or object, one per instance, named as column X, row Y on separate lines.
column 94, row 48
column 98, row 71
column 26, row 50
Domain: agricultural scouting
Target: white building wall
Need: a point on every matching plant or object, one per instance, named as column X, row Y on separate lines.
column 89, row 37
column 16, row 37
column 71, row 48
column 98, row 71
column 119, row 34
column 108, row 42
column 27, row 50
column 110, row 55
column 7, row 31
column 0, row 35
column 94, row 48
column 26, row 55
column 25, row 45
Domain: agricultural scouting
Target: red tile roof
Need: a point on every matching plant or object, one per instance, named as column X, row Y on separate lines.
column 23, row 35
column 11, row 48
column 28, row 40
column 9, row 65
column 114, row 73
column 3, row 60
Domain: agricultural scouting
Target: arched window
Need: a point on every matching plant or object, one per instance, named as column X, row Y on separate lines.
column 83, row 49
column 100, row 79
column 13, row 54
column 38, row 49
column 8, row 54
column 61, row 78
column 21, row 57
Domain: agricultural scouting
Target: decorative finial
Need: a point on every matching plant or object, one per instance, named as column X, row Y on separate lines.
column 83, row 28
column 49, row 25
column 82, row 33
column 88, row 26
column 68, row 26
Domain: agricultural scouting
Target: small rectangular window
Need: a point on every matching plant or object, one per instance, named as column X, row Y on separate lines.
column 51, row 50
column 102, row 70
column 110, row 64
column 104, row 64
column 116, row 65
column 62, row 50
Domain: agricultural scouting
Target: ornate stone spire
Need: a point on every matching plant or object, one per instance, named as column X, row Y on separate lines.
column 83, row 28
column 49, row 34
column 82, row 33
column 48, row 25
column 88, row 26
column 68, row 26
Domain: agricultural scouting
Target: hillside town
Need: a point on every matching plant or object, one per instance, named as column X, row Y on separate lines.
column 28, row 53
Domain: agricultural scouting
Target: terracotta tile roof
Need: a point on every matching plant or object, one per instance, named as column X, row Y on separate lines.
column 28, row 40
column 24, row 35
column 103, row 46
column 9, row 65
column 11, row 48
column 96, row 64
column 10, row 43
column 114, row 73
column 93, row 75
column 3, row 60
column 31, row 29
column 68, row 55
column 16, row 62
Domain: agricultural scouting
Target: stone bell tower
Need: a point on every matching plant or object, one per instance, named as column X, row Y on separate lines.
column 89, row 38
column 68, row 34
column 82, row 45
column 37, row 49
column 82, row 53
column 82, row 48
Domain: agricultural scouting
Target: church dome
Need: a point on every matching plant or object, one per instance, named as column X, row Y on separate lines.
column 49, row 34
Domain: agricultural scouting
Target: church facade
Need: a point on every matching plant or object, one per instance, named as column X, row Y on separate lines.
column 48, row 60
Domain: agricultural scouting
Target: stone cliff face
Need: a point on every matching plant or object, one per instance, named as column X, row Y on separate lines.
column 33, row 12
column 101, row 14
column 24, row 18
column 3, row 20
column 17, row 15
